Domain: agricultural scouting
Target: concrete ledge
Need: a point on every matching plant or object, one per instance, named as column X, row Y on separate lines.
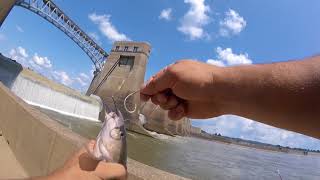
column 39, row 143
column 146, row 172
column 12, row 168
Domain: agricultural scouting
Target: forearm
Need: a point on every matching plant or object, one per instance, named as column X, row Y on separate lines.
column 285, row 95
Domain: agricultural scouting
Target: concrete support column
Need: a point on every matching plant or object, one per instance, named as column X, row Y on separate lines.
column 5, row 8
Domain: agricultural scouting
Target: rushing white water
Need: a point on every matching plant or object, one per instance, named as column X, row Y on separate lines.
column 64, row 101
column 42, row 96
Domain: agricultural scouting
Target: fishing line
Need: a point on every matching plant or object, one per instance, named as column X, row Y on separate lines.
column 278, row 171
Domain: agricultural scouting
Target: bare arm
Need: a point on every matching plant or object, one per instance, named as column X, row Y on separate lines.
column 285, row 95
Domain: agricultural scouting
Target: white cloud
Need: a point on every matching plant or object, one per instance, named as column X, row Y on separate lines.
column 82, row 82
column 20, row 55
column 62, row 77
column 232, row 24
column 235, row 126
column 193, row 22
column 44, row 66
column 37, row 62
column 19, row 28
column 41, row 61
column 84, row 76
column 106, row 27
column 21, row 51
column 215, row 62
column 166, row 14
column 83, row 79
column 226, row 57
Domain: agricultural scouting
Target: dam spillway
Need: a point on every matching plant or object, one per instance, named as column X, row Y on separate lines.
column 40, row 91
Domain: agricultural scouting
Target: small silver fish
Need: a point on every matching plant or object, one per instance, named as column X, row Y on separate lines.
column 111, row 144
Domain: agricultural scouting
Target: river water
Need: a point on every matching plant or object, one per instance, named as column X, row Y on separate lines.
column 208, row 160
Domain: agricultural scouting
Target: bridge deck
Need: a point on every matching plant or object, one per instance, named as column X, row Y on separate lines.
column 10, row 167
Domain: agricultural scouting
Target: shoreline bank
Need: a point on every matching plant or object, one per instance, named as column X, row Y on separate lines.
column 255, row 145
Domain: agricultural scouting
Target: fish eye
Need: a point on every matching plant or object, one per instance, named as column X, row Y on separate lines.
column 115, row 133
column 121, row 134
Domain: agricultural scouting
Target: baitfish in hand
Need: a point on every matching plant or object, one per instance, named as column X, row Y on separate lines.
column 111, row 144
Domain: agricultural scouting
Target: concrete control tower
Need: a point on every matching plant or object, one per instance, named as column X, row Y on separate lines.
column 123, row 73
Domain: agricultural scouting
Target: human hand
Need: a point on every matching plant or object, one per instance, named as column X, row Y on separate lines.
column 81, row 166
column 186, row 88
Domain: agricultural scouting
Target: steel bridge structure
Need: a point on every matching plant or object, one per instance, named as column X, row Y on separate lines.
column 53, row 14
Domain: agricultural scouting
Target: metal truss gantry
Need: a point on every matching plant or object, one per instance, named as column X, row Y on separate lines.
column 49, row 11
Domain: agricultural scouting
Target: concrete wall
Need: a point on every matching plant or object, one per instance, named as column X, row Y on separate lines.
column 41, row 145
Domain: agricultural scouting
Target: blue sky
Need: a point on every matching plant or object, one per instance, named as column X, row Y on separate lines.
column 221, row 32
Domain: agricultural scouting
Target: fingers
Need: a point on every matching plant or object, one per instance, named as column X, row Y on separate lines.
column 172, row 102
column 110, row 171
column 163, row 80
column 159, row 99
column 178, row 112
column 144, row 97
column 168, row 101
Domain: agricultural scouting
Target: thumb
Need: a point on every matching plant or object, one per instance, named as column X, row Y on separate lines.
column 110, row 171
column 163, row 80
